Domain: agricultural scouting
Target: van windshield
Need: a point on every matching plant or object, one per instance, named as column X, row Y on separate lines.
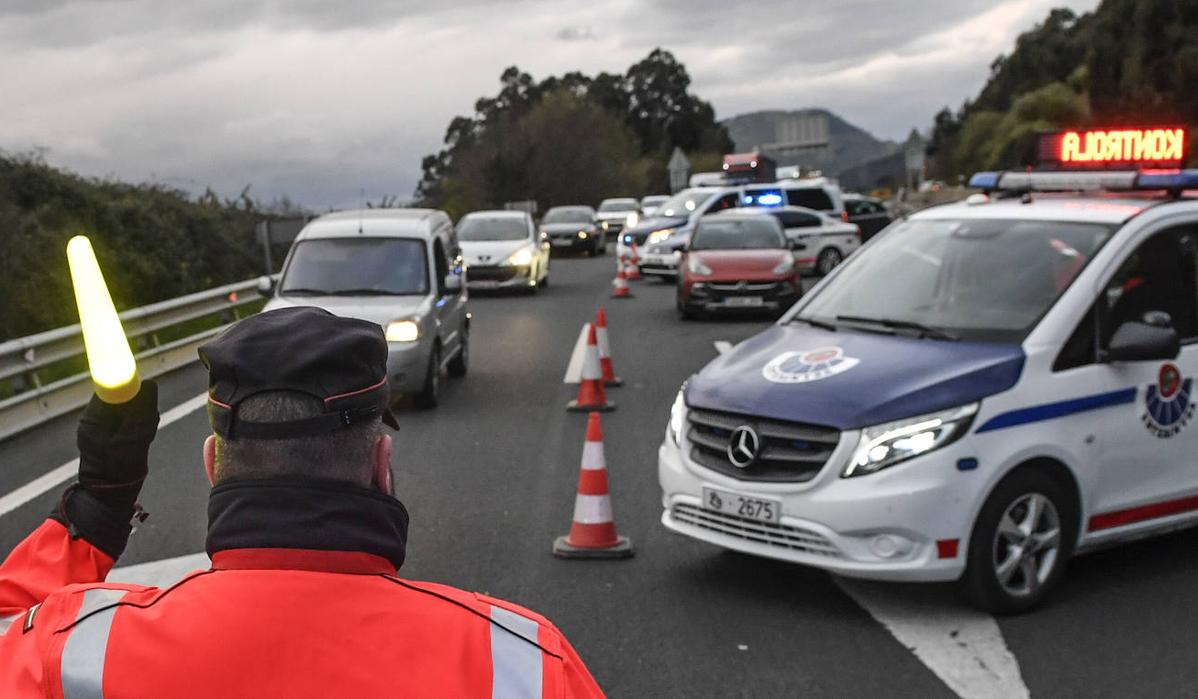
column 357, row 267
column 684, row 203
column 986, row 280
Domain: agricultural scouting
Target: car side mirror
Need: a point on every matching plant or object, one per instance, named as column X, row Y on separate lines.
column 453, row 283
column 1134, row 341
column 798, row 245
column 265, row 286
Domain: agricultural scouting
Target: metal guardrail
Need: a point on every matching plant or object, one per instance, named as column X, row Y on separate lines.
column 22, row 358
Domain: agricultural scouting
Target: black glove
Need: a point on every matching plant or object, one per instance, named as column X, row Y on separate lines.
column 114, row 444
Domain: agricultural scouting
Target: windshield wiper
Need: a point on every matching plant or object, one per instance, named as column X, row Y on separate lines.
column 301, row 291
column 821, row 324
column 363, row 292
column 923, row 330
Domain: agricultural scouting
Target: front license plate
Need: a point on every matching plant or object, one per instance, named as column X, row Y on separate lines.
column 562, row 242
column 486, row 283
column 747, row 506
column 744, row 301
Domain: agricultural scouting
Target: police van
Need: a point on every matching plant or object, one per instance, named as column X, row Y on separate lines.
column 989, row 388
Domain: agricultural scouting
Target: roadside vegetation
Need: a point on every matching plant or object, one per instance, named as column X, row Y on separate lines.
column 1127, row 62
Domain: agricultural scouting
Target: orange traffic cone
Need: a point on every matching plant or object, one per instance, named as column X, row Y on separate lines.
column 593, row 532
column 590, row 389
column 609, row 373
column 634, row 265
column 621, row 283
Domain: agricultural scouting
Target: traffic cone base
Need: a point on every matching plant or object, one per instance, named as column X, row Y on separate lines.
column 590, row 388
column 621, row 286
column 575, row 407
column 563, row 549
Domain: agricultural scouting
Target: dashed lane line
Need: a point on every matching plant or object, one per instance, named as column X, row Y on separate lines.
column 574, row 368
column 963, row 647
column 64, row 473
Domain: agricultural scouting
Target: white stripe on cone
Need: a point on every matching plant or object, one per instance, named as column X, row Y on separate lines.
column 590, row 364
column 592, row 456
column 601, row 338
column 592, row 509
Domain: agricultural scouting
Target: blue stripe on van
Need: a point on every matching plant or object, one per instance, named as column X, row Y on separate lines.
column 1050, row 411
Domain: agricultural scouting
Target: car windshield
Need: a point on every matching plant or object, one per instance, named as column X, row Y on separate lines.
column 478, row 228
column 618, row 205
column 746, row 234
column 568, row 215
column 357, row 267
column 987, row 280
column 684, row 203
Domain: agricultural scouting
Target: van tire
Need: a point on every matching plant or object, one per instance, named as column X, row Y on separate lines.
column 1011, row 499
column 430, row 394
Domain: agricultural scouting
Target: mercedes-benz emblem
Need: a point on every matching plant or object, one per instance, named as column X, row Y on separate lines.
column 743, row 446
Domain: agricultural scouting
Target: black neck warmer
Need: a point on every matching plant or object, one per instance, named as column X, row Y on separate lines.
column 297, row 513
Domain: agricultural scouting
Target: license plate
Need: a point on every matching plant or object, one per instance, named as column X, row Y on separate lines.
column 485, row 283
column 747, row 506
column 562, row 242
column 744, row 301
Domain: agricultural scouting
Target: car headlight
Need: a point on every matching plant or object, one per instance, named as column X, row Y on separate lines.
column 785, row 265
column 403, row 331
column 658, row 236
column 582, row 235
column 604, row 225
column 521, row 257
column 696, row 266
column 678, row 416
column 632, row 220
column 885, row 445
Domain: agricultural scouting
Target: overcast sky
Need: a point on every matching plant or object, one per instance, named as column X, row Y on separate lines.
column 320, row 100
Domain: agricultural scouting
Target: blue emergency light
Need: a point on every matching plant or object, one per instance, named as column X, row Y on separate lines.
column 1105, row 180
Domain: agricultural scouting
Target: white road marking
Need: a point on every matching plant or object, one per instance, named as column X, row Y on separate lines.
column 574, row 368
column 963, row 647
column 160, row 573
column 67, row 471
column 722, row 346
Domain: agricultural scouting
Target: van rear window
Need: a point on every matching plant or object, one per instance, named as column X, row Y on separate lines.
column 816, row 199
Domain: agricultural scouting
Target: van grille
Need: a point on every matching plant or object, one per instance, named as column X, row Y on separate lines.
column 780, row 535
column 789, row 452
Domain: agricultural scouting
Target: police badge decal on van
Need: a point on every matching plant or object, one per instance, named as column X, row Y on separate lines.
column 1167, row 403
column 810, row 365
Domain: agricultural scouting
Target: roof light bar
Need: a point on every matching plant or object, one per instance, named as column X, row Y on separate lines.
column 1090, row 181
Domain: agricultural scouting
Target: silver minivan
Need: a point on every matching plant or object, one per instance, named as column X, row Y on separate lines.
column 400, row 268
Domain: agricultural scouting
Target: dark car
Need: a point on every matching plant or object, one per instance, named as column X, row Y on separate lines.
column 573, row 228
column 868, row 213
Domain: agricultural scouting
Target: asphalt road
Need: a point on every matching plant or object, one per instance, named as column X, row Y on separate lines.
column 489, row 478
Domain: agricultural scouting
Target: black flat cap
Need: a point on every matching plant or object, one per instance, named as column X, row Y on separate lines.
column 341, row 361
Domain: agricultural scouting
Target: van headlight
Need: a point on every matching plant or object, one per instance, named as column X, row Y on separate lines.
column 403, row 331
column 885, row 445
column 521, row 257
column 678, row 416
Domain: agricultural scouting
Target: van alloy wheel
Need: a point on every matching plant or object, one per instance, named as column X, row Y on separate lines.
column 1027, row 542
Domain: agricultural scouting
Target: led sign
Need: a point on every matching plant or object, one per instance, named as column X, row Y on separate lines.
column 1108, row 148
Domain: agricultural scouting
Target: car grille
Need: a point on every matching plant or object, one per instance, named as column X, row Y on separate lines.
column 780, row 535
column 491, row 274
column 748, row 288
column 789, row 452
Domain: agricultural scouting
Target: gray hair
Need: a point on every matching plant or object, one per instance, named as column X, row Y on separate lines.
column 342, row 455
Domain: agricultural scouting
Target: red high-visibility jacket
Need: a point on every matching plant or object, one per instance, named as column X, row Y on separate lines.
column 269, row 622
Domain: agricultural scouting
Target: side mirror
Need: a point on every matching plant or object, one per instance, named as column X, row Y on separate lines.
column 1134, row 341
column 266, row 286
column 798, row 245
column 453, row 283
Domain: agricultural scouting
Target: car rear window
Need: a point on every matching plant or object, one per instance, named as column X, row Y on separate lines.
column 812, row 198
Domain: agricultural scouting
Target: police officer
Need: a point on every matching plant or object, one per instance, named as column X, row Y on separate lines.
column 305, row 537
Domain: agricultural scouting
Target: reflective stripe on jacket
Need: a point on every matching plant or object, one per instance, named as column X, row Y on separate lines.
column 265, row 622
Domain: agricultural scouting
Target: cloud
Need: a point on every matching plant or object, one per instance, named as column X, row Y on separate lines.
column 318, row 100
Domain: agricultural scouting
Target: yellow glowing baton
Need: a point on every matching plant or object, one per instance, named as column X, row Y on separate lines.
column 113, row 369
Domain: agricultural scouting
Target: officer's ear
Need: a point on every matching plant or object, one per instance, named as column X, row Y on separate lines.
column 210, row 458
column 380, row 465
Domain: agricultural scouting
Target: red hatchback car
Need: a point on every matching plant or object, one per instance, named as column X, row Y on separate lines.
column 737, row 262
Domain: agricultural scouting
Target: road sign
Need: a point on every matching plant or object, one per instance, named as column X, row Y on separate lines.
column 680, row 170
